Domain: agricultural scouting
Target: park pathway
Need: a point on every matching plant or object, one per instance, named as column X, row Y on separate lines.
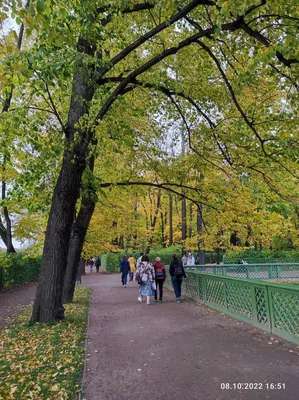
column 14, row 300
column 181, row 351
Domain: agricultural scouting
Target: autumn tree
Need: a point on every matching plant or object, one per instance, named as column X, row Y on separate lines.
column 235, row 91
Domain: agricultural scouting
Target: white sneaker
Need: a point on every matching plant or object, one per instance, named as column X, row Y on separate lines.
column 125, row 286
column 139, row 299
column 148, row 303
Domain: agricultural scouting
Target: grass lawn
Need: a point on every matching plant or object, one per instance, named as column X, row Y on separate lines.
column 45, row 361
column 286, row 281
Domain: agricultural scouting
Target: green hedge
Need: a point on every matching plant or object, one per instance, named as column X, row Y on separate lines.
column 262, row 256
column 110, row 262
column 16, row 269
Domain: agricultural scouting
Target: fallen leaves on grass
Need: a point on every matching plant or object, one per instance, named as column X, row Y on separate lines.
column 44, row 361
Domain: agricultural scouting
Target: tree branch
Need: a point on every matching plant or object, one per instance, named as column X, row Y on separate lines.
column 133, row 46
column 164, row 186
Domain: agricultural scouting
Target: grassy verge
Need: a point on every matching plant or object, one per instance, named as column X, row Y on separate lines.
column 285, row 281
column 45, row 361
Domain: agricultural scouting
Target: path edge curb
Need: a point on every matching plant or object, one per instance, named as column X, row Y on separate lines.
column 80, row 394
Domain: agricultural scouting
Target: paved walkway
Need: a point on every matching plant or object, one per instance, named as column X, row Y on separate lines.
column 14, row 300
column 181, row 351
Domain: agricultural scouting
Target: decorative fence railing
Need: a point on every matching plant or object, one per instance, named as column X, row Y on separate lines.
column 270, row 306
column 252, row 271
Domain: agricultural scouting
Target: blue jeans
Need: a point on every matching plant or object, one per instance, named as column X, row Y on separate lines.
column 131, row 275
column 177, row 283
column 124, row 277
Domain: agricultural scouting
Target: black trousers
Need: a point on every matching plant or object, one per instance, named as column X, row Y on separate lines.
column 159, row 284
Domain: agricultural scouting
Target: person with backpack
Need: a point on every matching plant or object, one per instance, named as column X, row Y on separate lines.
column 177, row 273
column 160, row 276
column 145, row 276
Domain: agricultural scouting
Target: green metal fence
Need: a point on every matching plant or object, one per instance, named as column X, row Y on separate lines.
column 252, row 271
column 269, row 306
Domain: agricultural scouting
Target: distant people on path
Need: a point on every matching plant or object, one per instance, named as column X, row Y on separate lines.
column 124, row 268
column 184, row 259
column 160, row 276
column 197, row 259
column 177, row 273
column 90, row 264
column 132, row 263
column 97, row 264
column 139, row 260
column 145, row 276
column 190, row 259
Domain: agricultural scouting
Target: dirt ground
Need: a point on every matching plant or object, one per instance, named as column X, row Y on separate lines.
column 14, row 300
column 181, row 351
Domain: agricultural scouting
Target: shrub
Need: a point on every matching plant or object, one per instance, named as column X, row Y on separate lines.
column 16, row 269
column 110, row 262
column 262, row 256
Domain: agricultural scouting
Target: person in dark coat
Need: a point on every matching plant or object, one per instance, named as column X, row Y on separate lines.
column 177, row 273
column 160, row 276
column 124, row 268
column 98, row 264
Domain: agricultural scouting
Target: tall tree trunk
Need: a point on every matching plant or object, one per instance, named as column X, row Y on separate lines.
column 163, row 224
column 202, row 256
column 48, row 300
column 48, row 305
column 184, row 222
column 9, row 246
column 6, row 232
column 153, row 223
column 184, row 205
column 170, row 221
column 3, row 233
column 190, row 219
column 78, row 234
column 79, row 230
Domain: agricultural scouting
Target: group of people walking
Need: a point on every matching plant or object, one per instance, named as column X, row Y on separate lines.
column 96, row 261
column 151, row 277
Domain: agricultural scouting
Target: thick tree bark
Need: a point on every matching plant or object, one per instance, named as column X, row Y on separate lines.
column 79, row 230
column 48, row 305
column 48, row 301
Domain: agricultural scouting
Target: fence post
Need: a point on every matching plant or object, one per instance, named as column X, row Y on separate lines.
column 278, row 271
column 269, row 307
column 204, row 287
